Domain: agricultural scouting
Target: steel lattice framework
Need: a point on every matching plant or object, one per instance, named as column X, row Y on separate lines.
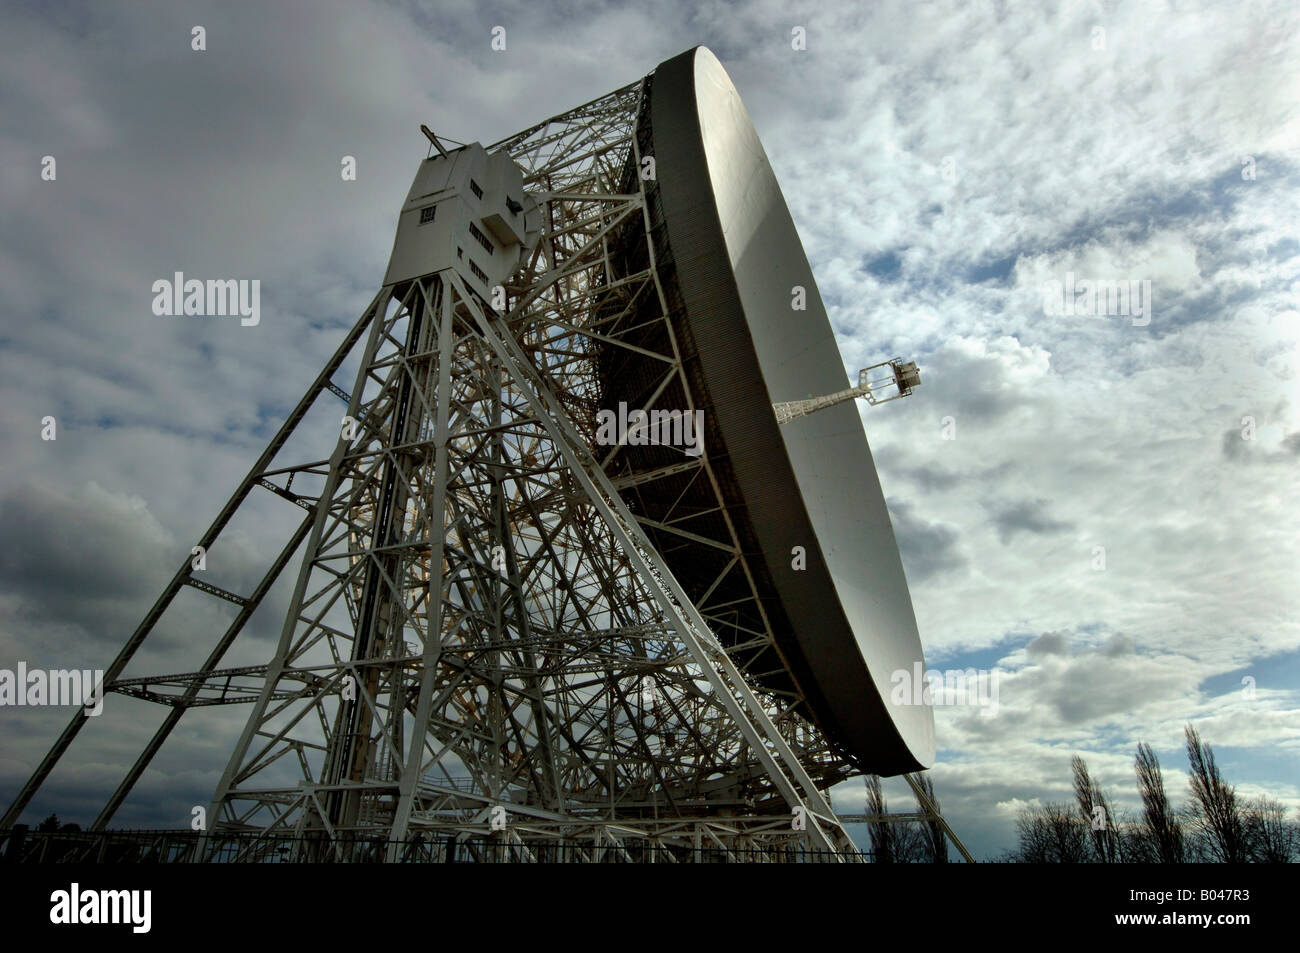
column 483, row 639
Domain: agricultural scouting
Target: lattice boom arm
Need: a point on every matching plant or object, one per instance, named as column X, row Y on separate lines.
column 900, row 376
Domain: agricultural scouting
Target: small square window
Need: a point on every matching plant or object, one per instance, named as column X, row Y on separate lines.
column 427, row 213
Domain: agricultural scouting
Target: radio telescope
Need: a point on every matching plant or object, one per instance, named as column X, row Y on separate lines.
column 511, row 636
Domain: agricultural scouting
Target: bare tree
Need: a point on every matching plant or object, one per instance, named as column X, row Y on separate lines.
column 1096, row 812
column 936, row 841
column 1162, row 833
column 1051, row 834
column 1135, row 844
column 883, row 841
column 1270, row 838
column 1215, row 813
column 900, row 841
column 1031, row 834
column 910, row 843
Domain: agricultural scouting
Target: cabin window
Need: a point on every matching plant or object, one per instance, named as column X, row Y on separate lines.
column 481, row 239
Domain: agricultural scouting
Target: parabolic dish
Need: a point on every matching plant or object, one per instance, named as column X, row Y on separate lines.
column 844, row 624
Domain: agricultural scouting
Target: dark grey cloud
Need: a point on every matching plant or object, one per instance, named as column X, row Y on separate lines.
column 928, row 548
column 934, row 478
column 1025, row 516
column 87, row 559
column 1118, row 644
column 1097, row 686
column 1049, row 643
column 1240, row 450
column 1234, row 446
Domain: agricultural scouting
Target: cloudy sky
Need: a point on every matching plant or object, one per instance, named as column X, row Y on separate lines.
column 1104, row 528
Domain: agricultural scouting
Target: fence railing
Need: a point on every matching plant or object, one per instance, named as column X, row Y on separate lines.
column 21, row 845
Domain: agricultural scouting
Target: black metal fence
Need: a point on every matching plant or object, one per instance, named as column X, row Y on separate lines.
column 21, row 845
